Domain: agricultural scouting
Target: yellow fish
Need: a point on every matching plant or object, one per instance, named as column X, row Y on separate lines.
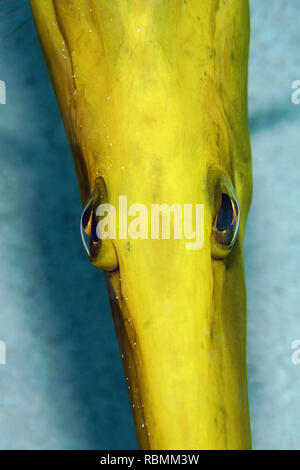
column 153, row 96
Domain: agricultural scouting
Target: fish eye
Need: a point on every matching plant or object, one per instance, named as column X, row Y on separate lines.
column 88, row 228
column 226, row 224
column 101, row 252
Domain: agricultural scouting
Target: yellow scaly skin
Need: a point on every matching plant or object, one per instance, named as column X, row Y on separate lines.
column 153, row 96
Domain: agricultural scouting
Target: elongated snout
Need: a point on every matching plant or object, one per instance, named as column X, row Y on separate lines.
column 181, row 327
column 179, row 305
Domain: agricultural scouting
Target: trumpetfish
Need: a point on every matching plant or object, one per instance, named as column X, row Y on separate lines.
column 153, row 97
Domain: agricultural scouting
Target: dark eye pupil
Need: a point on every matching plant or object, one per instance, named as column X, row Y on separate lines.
column 94, row 228
column 226, row 215
column 89, row 225
column 86, row 217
